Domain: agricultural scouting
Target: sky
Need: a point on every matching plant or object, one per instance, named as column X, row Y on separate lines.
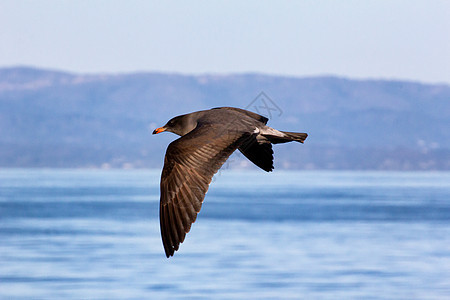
column 406, row 40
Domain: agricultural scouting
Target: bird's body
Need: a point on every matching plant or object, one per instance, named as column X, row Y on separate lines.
column 207, row 139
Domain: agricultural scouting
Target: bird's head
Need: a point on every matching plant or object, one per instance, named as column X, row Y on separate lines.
column 180, row 125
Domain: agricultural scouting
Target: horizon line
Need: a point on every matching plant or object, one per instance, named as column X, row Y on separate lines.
column 221, row 74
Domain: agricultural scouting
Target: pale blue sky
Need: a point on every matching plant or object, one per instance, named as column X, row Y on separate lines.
column 359, row 39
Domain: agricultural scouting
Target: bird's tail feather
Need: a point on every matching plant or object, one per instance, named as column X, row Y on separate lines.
column 285, row 136
column 296, row 136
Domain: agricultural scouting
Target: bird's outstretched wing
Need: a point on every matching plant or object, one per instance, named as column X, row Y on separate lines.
column 247, row 113
column 189, row 165
column 259, row 154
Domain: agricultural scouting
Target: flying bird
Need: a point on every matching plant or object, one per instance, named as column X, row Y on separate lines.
column 208, row 138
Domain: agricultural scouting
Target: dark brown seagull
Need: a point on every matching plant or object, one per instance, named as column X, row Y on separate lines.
column 207, row 139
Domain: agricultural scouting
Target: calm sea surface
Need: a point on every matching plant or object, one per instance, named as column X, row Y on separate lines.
column 76, row 234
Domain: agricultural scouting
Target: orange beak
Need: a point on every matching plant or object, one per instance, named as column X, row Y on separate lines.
column 159, row 130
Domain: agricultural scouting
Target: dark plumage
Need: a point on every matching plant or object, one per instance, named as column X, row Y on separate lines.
column 207, row 139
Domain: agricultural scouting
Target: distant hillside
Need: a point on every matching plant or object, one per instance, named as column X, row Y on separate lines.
column 58, row 119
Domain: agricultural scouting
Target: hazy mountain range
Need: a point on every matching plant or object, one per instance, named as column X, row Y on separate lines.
column 59, row 119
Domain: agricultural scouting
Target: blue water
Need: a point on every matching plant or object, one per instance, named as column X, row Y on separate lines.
column 77, row 234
